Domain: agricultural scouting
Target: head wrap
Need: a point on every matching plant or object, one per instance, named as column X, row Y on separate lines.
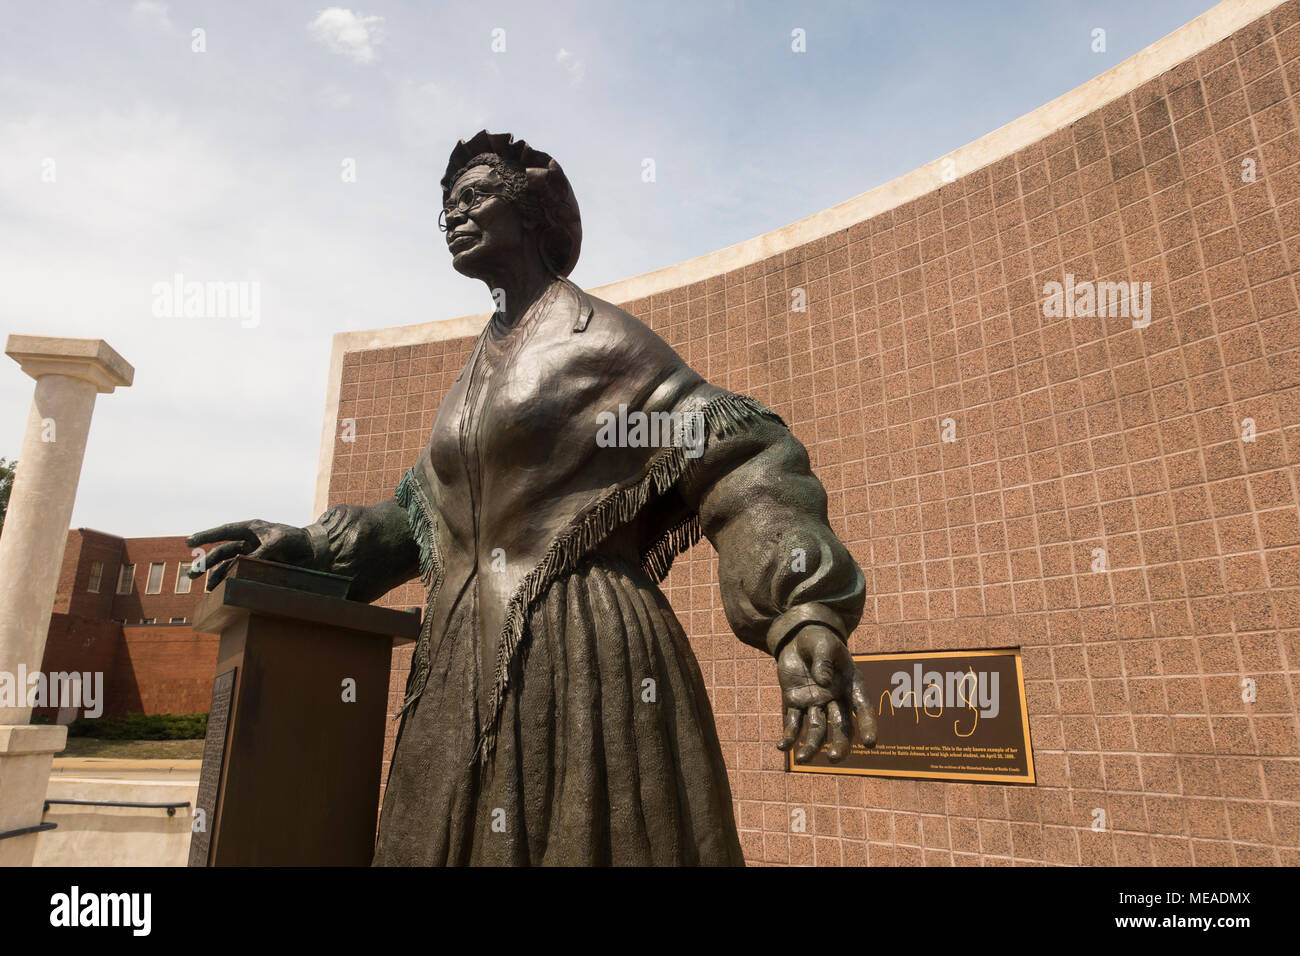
column 535, row 182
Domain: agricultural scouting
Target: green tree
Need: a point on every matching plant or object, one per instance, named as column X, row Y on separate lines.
column 7, row 469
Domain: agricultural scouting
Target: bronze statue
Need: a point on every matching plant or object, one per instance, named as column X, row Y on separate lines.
column 555, row 713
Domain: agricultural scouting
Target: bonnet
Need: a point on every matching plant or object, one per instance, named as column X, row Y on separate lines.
column 533, row 180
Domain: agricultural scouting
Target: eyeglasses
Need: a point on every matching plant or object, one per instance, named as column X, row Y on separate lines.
column 468, row 199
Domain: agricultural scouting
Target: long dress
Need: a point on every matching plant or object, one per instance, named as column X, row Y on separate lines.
column 555, row 713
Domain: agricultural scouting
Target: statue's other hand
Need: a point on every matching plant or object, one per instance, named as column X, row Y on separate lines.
column 820, row 684
column 257, row 539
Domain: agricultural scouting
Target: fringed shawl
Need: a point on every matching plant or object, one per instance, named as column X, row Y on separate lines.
column 722, row 415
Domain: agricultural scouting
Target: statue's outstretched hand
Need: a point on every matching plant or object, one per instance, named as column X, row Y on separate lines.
column 820, row 682
column 257, row 539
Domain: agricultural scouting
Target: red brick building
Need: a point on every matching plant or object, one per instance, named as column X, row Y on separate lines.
column 1174, row 447
column 125, row 608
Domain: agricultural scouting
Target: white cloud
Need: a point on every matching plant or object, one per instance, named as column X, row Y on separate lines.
column 350, row 34
column 151, row 14
column 577, row 68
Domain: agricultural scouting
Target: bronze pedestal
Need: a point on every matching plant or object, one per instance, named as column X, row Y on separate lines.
column 291, row 764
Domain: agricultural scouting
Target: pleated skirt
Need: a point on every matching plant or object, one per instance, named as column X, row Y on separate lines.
column 606, row 751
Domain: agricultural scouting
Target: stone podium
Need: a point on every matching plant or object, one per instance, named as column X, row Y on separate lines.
column 291, row 763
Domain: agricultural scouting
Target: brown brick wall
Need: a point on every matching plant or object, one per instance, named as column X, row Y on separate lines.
column 83, row 645
column 1072, row 434
column 84, row 547
column 147, row 669
column 167, row 604
column 162, row 670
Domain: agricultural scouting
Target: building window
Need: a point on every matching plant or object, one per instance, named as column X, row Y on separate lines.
column 148, row 620
column 96, row 573
column 178, row 620
column 183, row 578
column 126, row 579
column 154, row 584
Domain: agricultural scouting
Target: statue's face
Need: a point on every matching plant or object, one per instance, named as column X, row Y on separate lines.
column 485, row 230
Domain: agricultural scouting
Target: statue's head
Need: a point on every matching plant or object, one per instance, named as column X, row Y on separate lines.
column 503, row 200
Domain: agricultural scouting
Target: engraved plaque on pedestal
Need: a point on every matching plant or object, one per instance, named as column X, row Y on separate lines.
column 214, row 754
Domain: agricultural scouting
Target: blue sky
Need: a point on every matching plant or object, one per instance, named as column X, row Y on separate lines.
column 225, row 166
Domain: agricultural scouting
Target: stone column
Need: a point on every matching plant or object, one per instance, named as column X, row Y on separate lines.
column 69, row 374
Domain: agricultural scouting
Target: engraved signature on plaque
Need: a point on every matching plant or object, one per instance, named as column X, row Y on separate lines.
column 214, row 752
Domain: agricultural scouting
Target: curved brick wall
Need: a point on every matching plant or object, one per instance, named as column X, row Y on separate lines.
column 1071, row 434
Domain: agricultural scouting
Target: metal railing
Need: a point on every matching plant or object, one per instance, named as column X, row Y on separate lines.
column 171, row 808
column 23, row 831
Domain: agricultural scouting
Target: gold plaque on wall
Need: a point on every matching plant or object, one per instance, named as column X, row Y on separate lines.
column 943, row 715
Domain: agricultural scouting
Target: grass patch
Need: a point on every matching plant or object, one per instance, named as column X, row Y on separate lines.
column 142, row 727
column 133, row 749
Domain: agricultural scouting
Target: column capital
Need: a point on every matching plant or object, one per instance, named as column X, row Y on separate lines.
column 16, row 739
column 90, row 359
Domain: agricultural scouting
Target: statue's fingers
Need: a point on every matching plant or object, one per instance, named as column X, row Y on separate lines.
column 840, row 729
column 822, row 665
column 816, row 734
column 863, row 711
column 235, row 531
column 793, row 720
column 223, row 552
column 218, row 572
